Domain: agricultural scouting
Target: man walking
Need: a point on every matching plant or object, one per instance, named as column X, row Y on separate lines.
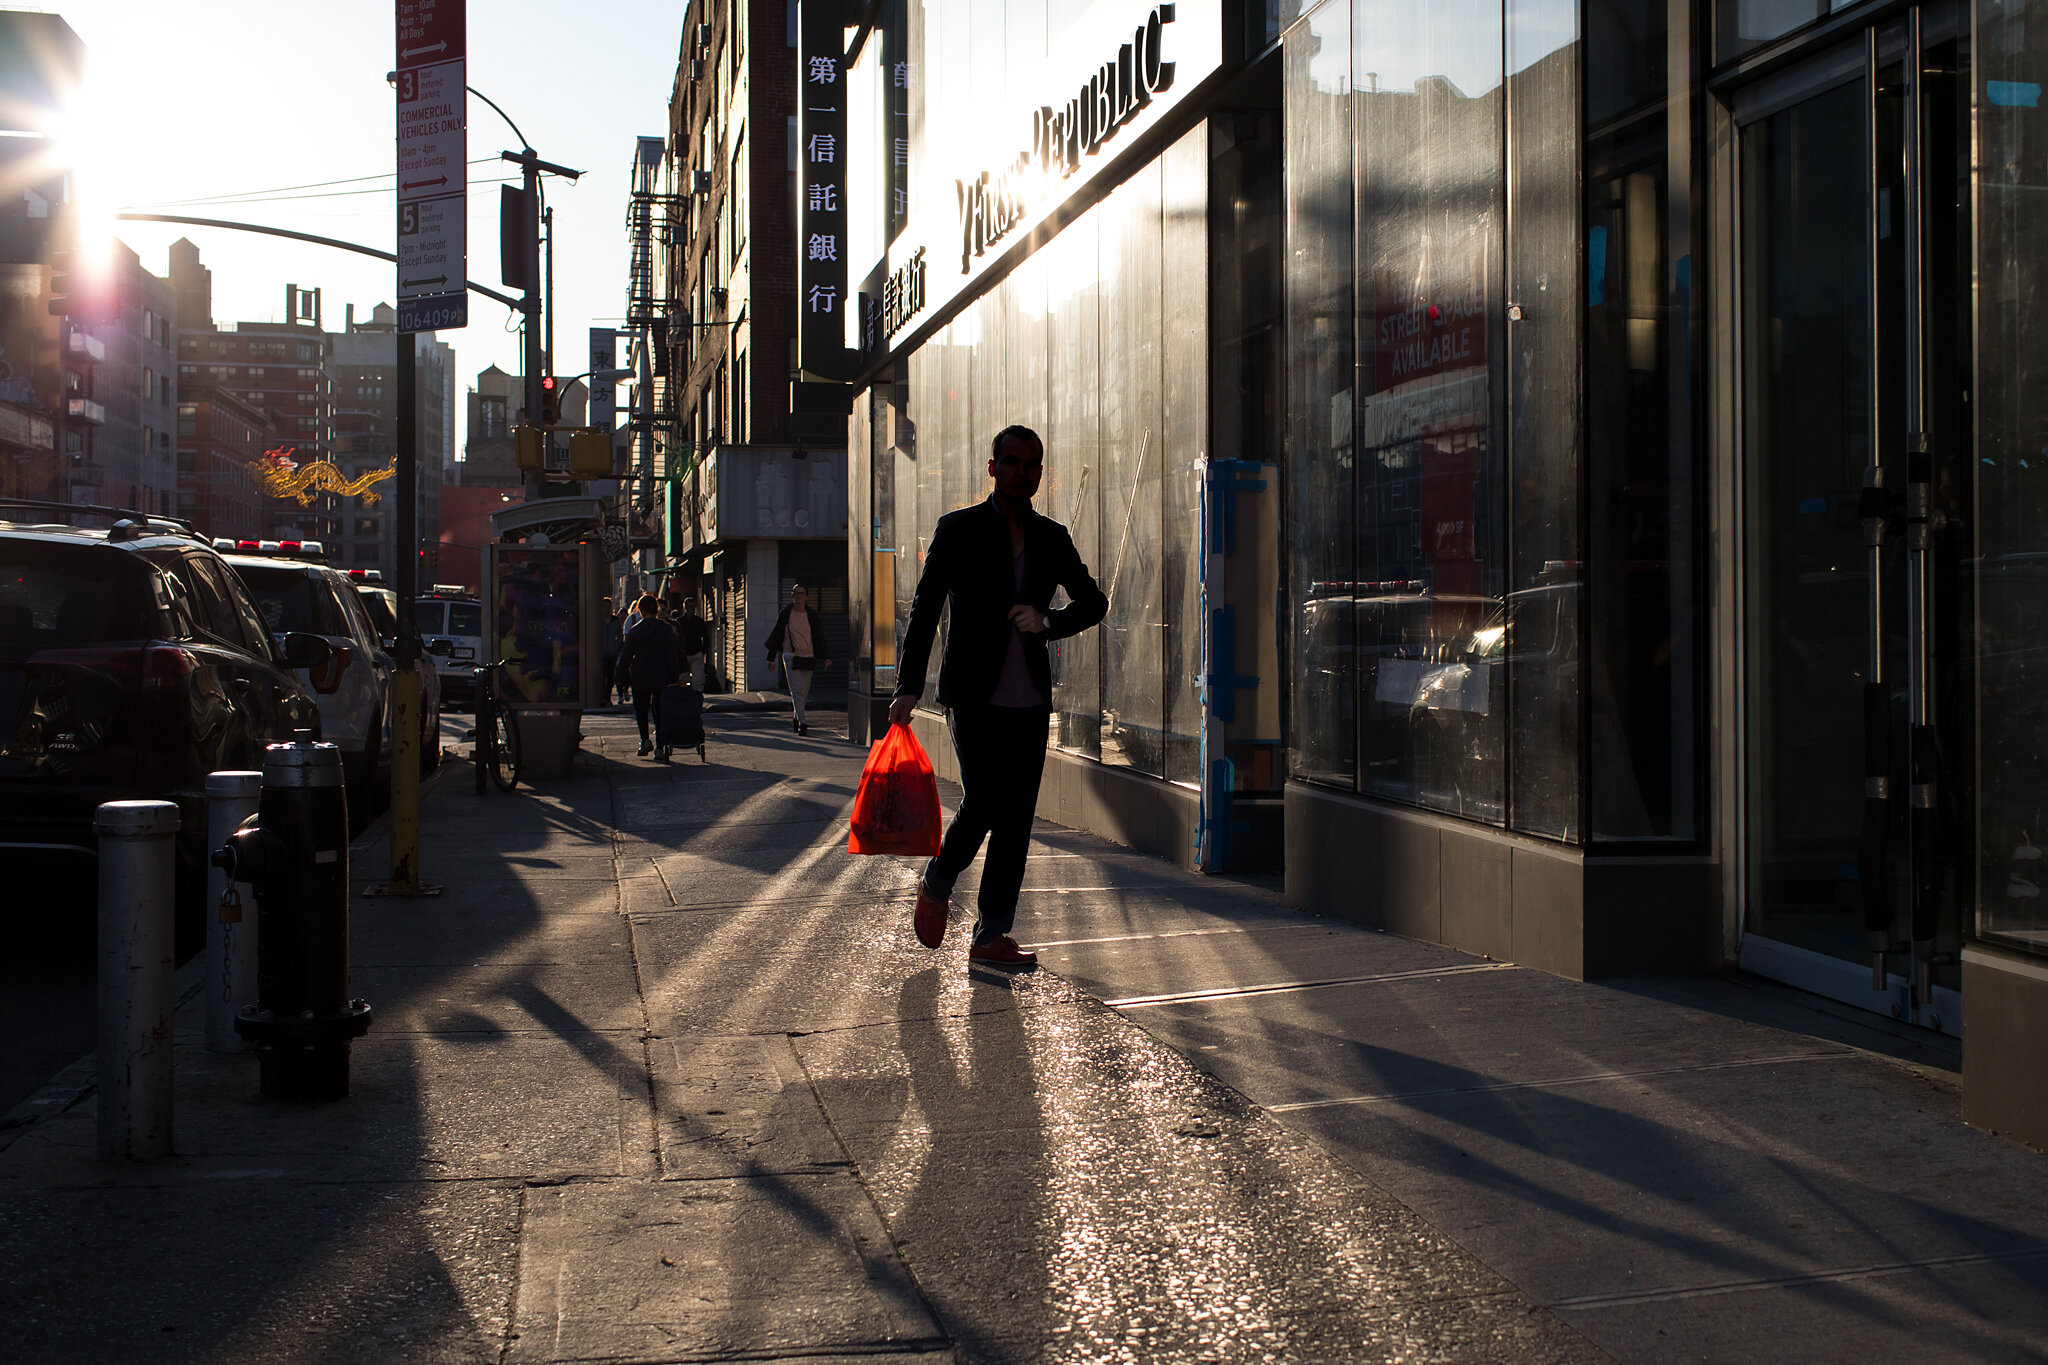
column 797, row 637
column 695, row 638
column 998, row 563
column 649, row 661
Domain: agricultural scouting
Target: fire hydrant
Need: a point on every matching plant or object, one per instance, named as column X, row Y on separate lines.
column 294, row 851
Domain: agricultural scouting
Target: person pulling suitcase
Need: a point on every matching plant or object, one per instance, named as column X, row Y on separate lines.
column 649, row 660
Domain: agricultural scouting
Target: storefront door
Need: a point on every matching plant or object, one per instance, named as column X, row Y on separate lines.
column 1854, row 467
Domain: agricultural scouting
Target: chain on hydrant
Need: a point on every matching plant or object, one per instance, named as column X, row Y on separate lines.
column 294, row 852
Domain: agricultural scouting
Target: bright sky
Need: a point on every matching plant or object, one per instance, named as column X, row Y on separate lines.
column 202, row 99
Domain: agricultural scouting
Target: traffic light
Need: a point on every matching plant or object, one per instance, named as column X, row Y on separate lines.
column 550, row 401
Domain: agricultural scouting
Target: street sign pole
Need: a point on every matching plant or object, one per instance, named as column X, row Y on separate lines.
column 433, row 271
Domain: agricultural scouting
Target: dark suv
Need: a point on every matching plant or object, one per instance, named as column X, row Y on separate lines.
column 132, row 663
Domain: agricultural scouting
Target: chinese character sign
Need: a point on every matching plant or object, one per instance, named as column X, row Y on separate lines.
column 821, row 168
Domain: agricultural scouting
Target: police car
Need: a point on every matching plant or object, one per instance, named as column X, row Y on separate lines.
column 451, row 620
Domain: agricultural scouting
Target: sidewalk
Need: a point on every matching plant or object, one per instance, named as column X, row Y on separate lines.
column 663, row 1076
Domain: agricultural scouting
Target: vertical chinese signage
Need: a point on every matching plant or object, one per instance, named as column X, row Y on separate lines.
column 433, row 166
column 821, row 190
column 604, row 390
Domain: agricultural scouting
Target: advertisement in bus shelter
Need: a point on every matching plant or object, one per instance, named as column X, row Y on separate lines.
column 535, row 597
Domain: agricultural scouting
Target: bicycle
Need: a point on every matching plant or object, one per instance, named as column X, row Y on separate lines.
column 497, row 732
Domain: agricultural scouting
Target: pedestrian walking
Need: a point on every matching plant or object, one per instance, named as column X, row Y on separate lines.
column 998, row 564
column 695, row 637
column 649, row 660
column 797, row 638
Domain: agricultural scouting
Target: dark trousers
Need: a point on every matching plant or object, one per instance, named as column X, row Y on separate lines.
column 645, row 704
column 1002, row 755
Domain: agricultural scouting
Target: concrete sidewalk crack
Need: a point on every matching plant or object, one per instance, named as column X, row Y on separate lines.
column 868, row 1193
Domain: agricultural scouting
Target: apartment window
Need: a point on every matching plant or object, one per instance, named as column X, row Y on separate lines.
column 307, row 351
column 188, row 419
column 148, row 439
column 739, row 399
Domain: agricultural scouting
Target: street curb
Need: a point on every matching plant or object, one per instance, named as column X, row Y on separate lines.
column 71, row 1085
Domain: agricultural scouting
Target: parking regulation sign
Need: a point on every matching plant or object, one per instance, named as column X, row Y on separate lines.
column 433, row 166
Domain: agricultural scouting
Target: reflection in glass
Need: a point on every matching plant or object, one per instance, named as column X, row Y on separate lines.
column 1185, row 336
column 1430, row 616
column 1546, row 601
column 1322, row 708
column 1134, row 452
column 1641, row 420
column 1807, row 440
column 1073, row 470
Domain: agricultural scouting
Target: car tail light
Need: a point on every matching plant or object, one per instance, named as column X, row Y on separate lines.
column 327, row 677
column 166, row 667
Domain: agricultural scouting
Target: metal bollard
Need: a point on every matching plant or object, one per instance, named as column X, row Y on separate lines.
column 294, row 852
column 231, row 798
column 137, row 897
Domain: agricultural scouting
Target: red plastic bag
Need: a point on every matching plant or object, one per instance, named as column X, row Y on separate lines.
column 896, row 809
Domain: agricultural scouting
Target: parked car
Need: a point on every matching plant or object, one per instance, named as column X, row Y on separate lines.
column 451, row 621
column 382, row 604
column 132, row 663
column 297, row 593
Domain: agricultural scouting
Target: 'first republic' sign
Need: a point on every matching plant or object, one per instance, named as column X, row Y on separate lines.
column 1115, row 93
column 1119, row 71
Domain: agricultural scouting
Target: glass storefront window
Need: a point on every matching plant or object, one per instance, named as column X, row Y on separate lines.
column 1322, row 711
column 1546, row 601
column 2012, row 479
column 1073, row 442
column 1431, row 615
column 1641, row 421
column 1134, row 450
column 1184, row 334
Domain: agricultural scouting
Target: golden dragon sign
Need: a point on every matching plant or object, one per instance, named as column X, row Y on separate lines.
column 281, row 475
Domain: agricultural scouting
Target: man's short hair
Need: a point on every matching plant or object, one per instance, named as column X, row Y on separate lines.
column 1015, row 431
column 649, row 604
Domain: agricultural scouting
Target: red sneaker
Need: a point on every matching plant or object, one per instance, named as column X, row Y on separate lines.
column 929, row 919
column 1002, row 951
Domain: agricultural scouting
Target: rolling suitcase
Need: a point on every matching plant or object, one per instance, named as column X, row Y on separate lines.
column 679, row 720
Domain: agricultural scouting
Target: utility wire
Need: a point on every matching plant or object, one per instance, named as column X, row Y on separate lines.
column 313, row 185
column 222, row 201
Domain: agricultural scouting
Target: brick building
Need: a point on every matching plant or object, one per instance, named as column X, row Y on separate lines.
column 219, row 435
column 277, row 366
column 362, row 365
column 753, row 493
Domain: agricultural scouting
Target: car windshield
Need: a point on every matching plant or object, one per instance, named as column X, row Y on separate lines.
column 55, row 594
column 293, row 600
column 465, row 618
column 430, row 617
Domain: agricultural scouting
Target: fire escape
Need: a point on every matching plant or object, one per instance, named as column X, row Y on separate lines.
column 652, row 221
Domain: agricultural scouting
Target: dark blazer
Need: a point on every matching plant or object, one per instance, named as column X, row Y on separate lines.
column 782, row 629
column 969, row 565
column 649, row 659
column 694, row 634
